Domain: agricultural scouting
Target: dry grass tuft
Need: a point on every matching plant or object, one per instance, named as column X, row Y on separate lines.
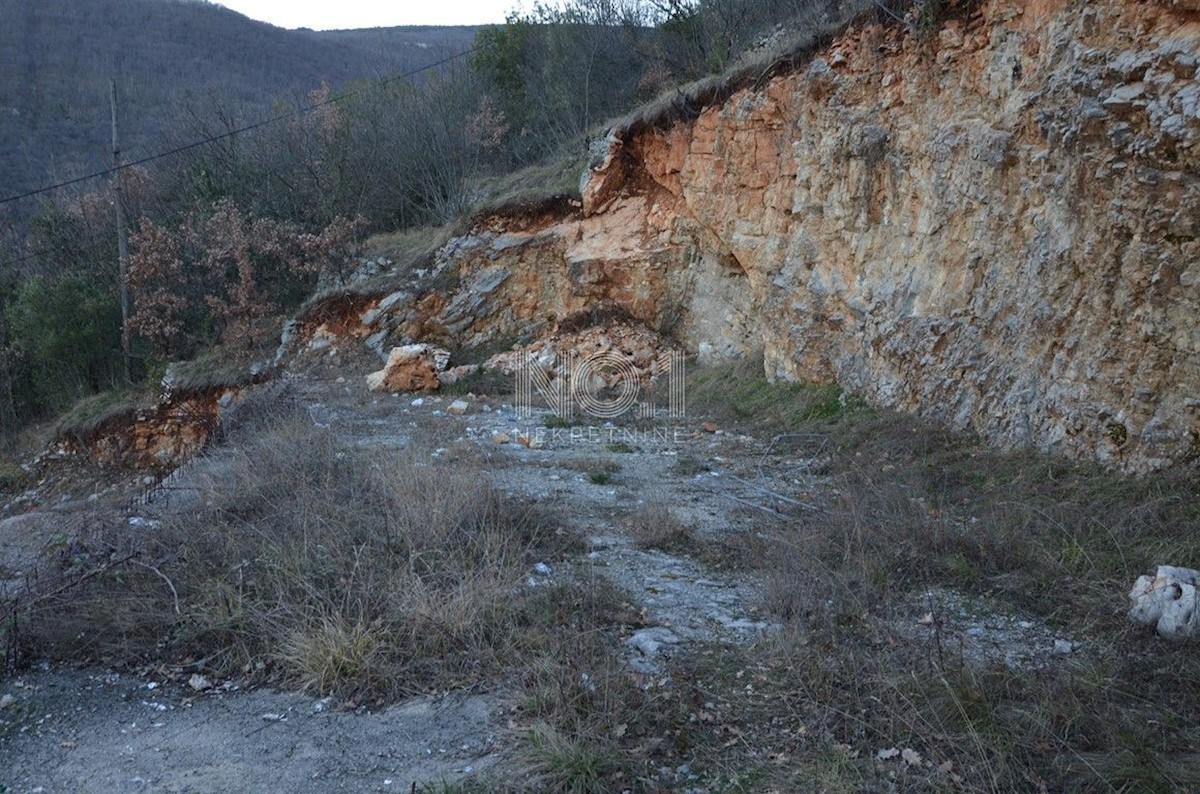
column 908, row 505
column 654, row 526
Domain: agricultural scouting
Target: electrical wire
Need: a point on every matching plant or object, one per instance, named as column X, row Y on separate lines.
column 231, row 133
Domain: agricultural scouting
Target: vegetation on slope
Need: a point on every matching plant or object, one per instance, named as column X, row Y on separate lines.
column 311, row 562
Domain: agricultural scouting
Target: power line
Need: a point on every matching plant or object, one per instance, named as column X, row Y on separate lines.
column 248, row 128
column 16, row 260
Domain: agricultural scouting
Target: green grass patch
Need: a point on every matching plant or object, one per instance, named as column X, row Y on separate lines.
column 90, row 413
column 212, row 369
column 740, row 395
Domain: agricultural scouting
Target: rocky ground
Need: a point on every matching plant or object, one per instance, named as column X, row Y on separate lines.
column 165, row 730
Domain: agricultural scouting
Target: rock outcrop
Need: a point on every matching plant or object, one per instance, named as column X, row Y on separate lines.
column 1001, row 231
column 998, row 228
column 157, row 437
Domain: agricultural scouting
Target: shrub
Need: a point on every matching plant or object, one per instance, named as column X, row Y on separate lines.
column 69, row 330
column 221, row 270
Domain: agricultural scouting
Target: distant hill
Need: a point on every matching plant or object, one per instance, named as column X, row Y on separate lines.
column 57, row 56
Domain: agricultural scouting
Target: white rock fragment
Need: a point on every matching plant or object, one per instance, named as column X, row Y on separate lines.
column 1167, row 601
column 410, row 368
column 649, row 641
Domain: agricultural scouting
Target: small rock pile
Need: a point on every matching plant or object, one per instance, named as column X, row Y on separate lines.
column 608, row 354
column 594, row 358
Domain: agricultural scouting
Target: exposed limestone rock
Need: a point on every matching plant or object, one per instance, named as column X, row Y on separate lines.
column 155, row 437
column 410, row 368
column 1003, row 238
column 455, row 374
column 1168, row 602
column 1001, row 233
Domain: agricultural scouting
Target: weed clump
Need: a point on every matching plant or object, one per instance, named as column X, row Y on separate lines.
column 654, row 526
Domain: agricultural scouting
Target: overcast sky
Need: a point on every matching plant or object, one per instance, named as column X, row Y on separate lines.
column 339, row 14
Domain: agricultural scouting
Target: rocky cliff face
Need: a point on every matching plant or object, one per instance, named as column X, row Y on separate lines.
column 998, row 228
column 1000, row 232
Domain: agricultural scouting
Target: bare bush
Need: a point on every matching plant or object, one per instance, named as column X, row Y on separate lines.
column 224, row 268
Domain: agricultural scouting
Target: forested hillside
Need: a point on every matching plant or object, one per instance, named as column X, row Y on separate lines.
column 173, row 60
column 235, row 228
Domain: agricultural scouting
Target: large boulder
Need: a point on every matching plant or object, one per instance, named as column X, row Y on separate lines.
column 1168, row 602
column 410, row 368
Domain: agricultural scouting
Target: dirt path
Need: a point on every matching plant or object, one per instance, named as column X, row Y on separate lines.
column 93, row 731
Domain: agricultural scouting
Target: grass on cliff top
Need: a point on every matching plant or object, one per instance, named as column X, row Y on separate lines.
column 408, row 249
column 550, row 183
column 810, row 30
column 91, row 413
column 212, row 369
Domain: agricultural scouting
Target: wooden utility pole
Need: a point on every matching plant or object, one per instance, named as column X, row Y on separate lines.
column 122, row 243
